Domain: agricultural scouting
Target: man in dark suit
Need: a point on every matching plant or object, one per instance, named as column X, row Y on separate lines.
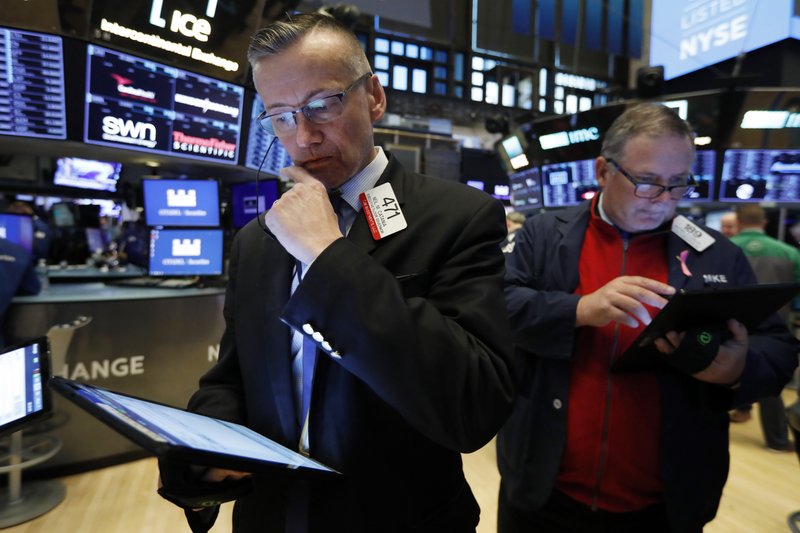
column 407, row 324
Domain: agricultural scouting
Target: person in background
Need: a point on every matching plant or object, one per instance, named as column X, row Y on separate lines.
column 17, row 276
column 405, row 322
column 773, row 262
column 514, row 221
column 42, row 234
column 728, row 225
column 588, row 449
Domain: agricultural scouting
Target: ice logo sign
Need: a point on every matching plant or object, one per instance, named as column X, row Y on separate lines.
column 181, row 198
column 186, row 247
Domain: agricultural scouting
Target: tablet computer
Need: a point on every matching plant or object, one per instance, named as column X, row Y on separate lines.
column 177, row 435
column 705, row 308
column 24, row 398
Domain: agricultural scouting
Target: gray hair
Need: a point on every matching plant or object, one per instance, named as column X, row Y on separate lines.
column 651, row 120
column 281, row 34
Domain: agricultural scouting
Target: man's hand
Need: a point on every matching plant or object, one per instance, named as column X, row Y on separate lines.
column 728, row 364
column 221, row 474
column 622, row 300
column 303, row 220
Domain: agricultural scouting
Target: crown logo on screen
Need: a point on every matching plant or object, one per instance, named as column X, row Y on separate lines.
column 181, row 198
column 3, row 233
column 185, row 247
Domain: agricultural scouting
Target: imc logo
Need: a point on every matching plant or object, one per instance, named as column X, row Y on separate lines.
column 181, row 198
column 184, row 23
column 186, row 247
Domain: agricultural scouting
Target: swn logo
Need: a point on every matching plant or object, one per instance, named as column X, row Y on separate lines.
column 128, row 131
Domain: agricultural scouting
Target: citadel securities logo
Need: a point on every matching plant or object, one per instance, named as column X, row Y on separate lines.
column 125, row 89
column 127, row 131
column 181, row 198
column 186, row 247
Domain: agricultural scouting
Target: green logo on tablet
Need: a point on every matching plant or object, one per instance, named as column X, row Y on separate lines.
column 704, row 337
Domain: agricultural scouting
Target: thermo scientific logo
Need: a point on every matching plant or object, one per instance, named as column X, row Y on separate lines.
column 116, row 129
column 125, row 89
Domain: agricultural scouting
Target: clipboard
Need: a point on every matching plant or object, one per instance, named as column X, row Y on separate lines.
column 705, row 308
column 178, row 435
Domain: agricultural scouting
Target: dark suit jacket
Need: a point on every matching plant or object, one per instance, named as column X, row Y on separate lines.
column 425, row 370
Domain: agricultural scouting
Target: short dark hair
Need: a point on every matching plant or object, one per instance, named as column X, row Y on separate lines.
column 282, row 33
column 652, row 120
column 750, row 215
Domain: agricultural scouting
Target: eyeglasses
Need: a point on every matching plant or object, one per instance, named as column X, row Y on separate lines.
column 645, row 189
column 319, row 111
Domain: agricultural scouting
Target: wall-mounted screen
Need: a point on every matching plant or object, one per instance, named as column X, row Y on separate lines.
column 245, row 204
column 181, row 202
column 703, row 171
column 569, row 183
column 756, row 175
column 512, row 152
column 526, row 190
column 259, row 140
column 142, row 105
column 185, row 252
column 32, row 101
column 86, row 174
column 18, row 229
column 63, row 215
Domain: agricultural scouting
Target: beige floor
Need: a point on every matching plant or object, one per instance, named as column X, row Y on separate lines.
column 763, row 489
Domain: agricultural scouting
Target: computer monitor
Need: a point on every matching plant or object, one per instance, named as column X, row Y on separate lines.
column 244, row 204
column 181, row 202
column 526, row 190
column 186, row 252
column 753, row 175
column 63, row 215
column 86, row 174
column 568, row 183
column 24, row 396
column 17, row 229
column 704, row 171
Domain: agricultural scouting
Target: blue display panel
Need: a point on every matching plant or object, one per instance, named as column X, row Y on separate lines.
column 185, row 252
column 32, row 101
column 244, row 204
column 143, row 105
column 257, row 142
column 756, row 175
column 704, row 171
column 18, row 229
column 526, row 190
column 570, row 183
column 691, row 35
column 181, row 202
column 86, row 174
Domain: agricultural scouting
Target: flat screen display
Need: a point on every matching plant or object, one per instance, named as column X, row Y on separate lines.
column 24, row 397
column 703, row 171
column 63, row 215
column 756, row 175
column 512, row 152
column 32, row 101
column 143, row 105
column 17, row 229
column 570, row 183
column 526, row 190
column 181, row 202
column 185, row 252
column 258, row 141
column 244, row 204
column 86, row 174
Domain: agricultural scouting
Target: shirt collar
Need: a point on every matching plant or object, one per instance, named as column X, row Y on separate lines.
column 364, row 180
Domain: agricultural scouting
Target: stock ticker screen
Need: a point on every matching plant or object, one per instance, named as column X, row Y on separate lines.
column 751, row 175
column 142, row 105
column 32, row 101
column 569, row 183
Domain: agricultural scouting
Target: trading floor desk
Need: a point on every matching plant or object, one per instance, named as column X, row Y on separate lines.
column 149, row 342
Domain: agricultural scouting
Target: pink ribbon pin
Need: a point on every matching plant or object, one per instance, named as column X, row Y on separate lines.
column 682, row 258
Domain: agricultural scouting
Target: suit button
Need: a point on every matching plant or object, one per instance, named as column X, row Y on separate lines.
column 336, row 355
column 317, row 336
column 326, row 346
column 557, row 403
column 308, row 329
